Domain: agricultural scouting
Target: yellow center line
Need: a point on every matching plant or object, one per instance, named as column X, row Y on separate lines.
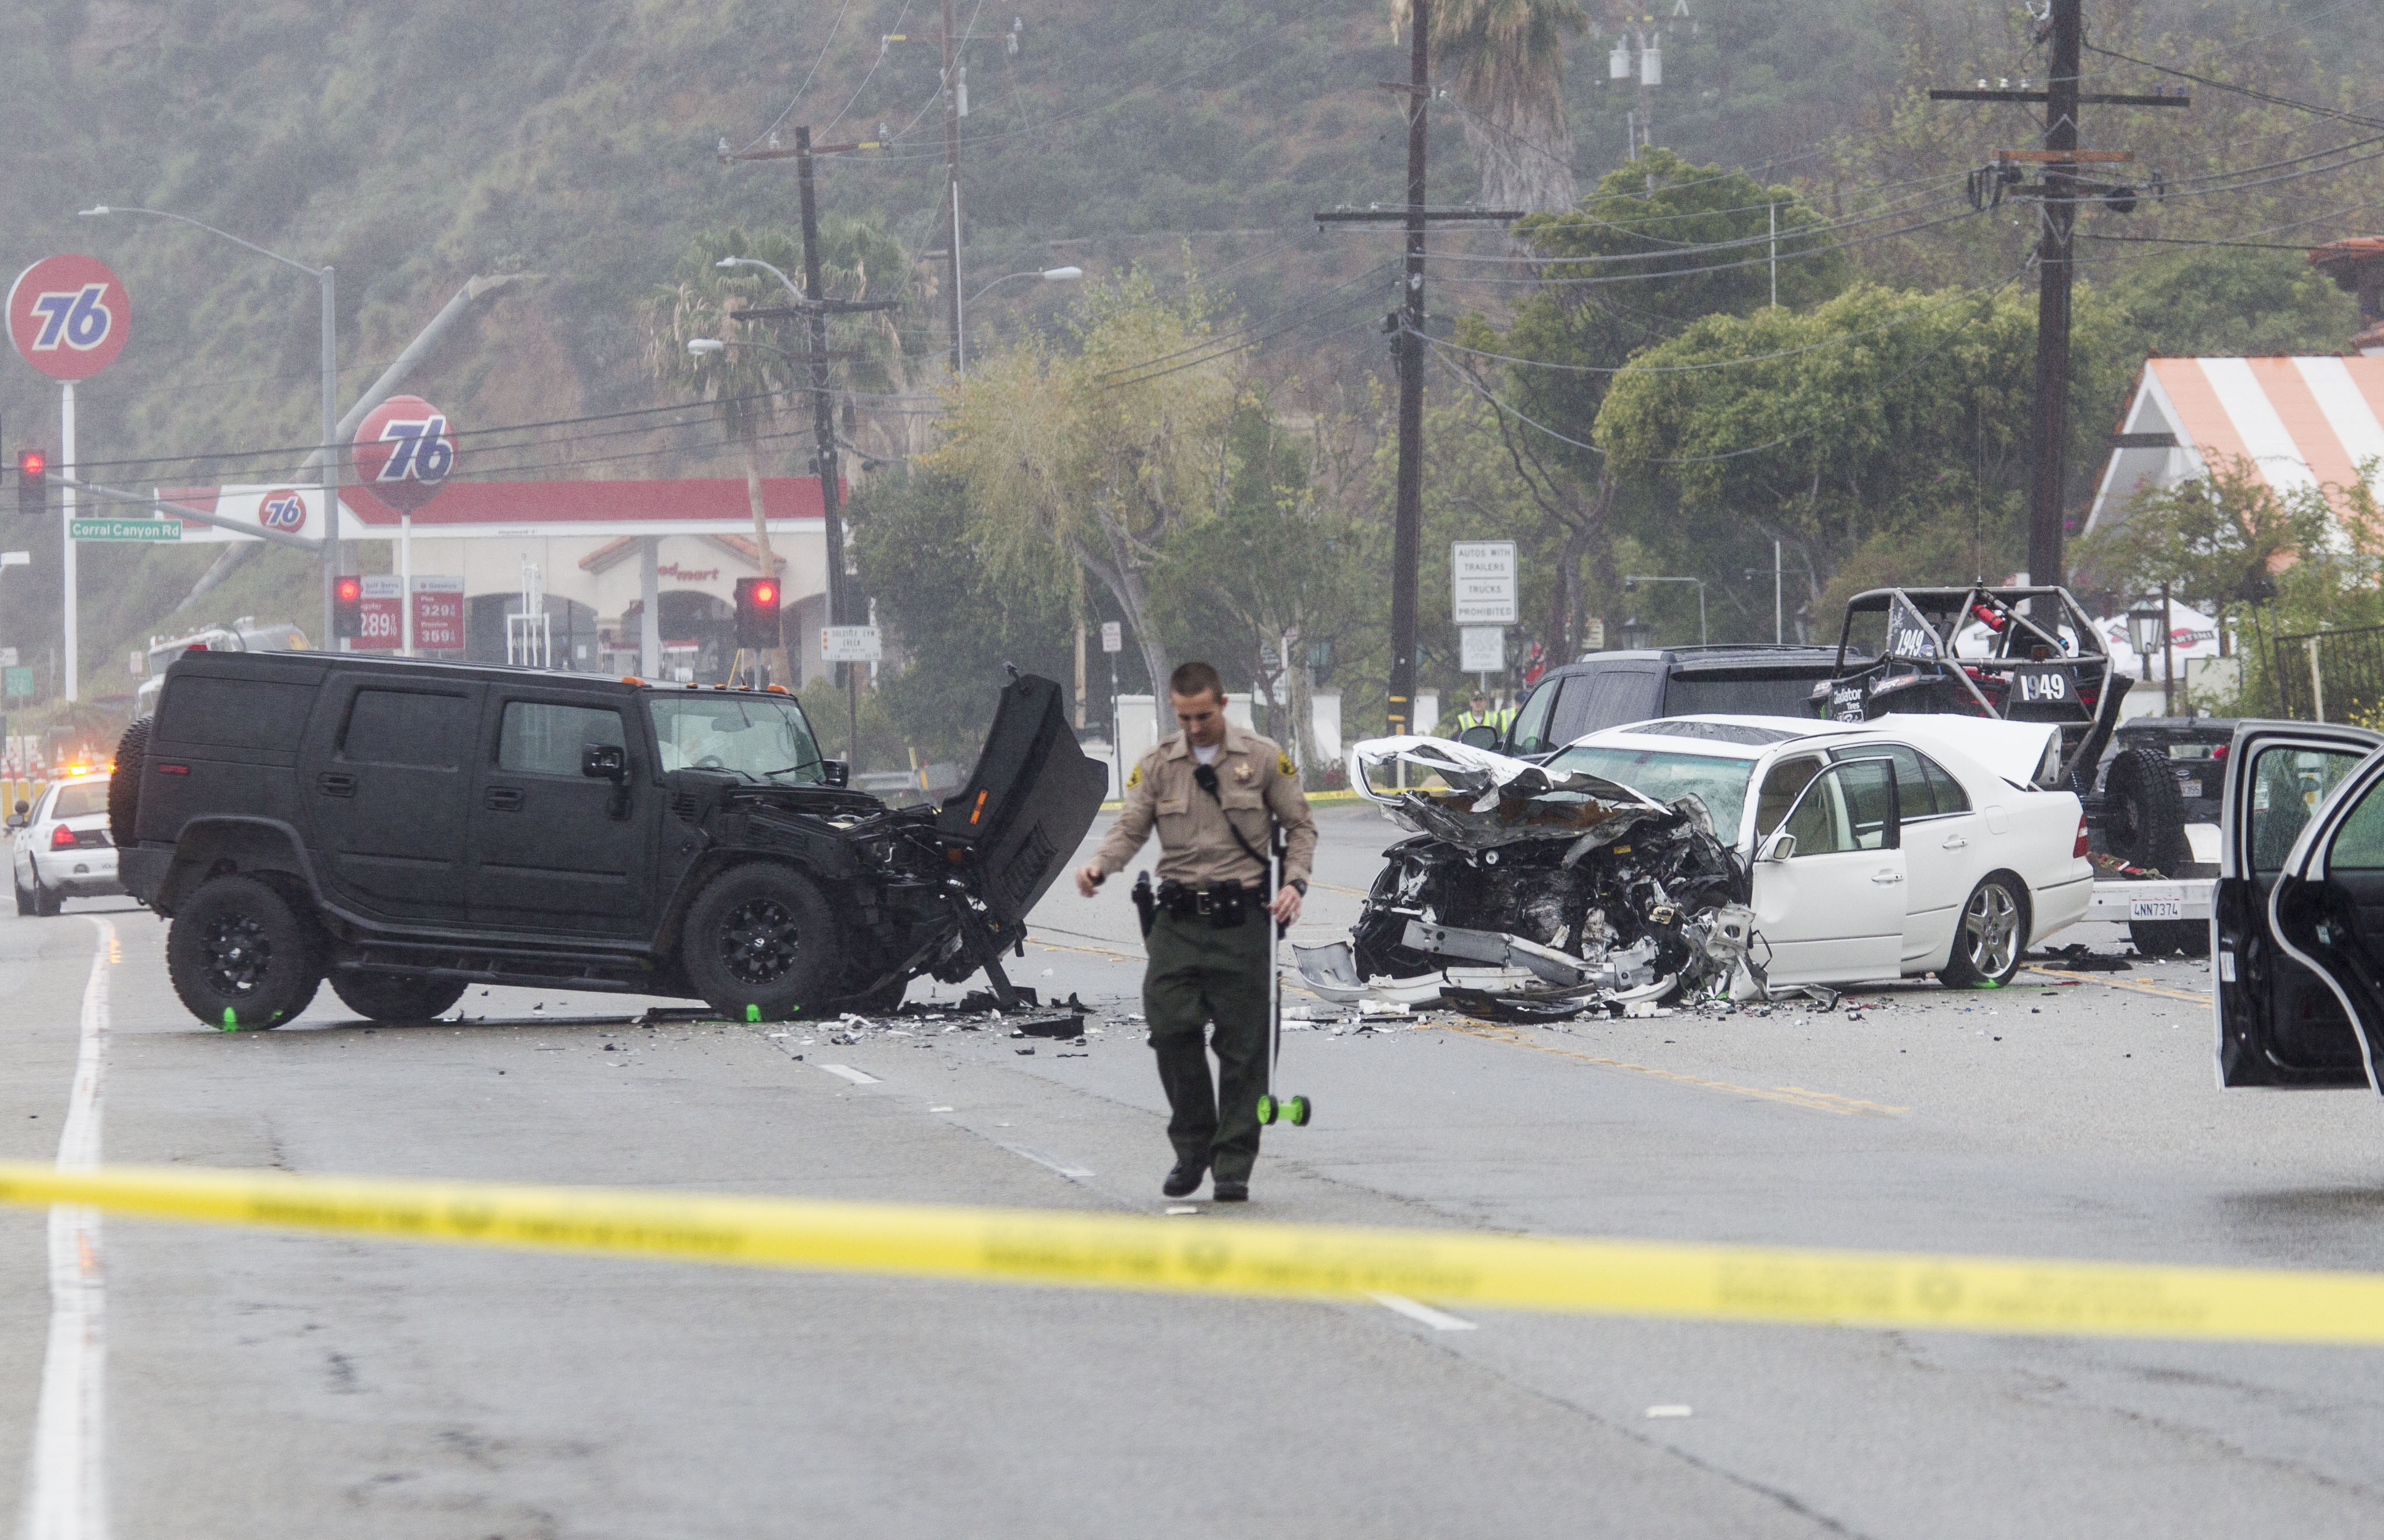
column 2138, row 987
column 1793, row 1096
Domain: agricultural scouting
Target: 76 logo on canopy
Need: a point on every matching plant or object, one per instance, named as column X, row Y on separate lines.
column 419, row 451
column 77, row 318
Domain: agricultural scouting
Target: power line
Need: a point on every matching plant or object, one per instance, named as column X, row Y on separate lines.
column 2241, row 90
column 1891, row 325
column 1718, row 267
column 833, row 27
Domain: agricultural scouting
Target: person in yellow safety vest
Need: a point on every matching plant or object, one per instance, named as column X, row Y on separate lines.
column 1479, row 714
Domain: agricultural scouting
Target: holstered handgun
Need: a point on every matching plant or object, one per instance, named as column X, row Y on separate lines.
column 1146, row 903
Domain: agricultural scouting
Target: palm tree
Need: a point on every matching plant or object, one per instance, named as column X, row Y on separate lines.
column 1508, row 59
column 742, row 383
column 860, row 260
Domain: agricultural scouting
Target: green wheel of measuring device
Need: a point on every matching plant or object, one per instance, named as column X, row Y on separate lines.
column 1299, row 1110
column 1268, row 1107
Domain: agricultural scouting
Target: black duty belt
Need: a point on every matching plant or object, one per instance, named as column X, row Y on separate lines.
column 1221, row 904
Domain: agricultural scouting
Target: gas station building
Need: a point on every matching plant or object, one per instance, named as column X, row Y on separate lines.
column 589, row 556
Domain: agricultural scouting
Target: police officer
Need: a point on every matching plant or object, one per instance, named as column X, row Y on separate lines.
column 1213, row 791
column 1481, row 715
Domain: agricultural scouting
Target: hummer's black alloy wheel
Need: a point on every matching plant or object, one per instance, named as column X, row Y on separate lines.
column 761, row 944
column 240, row 956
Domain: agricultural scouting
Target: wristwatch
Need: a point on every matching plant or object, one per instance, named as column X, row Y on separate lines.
column 1300, row 883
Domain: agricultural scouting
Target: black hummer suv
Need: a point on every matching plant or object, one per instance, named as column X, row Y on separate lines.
column 407, row 829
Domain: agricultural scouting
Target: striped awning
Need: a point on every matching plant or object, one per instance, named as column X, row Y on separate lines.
column 2303, row 422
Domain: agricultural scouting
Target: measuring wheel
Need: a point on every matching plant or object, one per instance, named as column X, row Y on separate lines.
column 1297, row 1111
column 1269, row 1109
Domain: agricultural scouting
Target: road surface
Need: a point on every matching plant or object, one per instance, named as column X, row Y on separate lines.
column 270, row 1384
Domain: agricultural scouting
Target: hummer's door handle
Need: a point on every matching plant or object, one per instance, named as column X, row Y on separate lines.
column 336, row 783
column 506, row 798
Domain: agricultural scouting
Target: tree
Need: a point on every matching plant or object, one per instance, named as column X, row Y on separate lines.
column 2232, row 303
column 742, row 382
column 1508, row 59
column 1086, row 463
column 955, row 625
column 1661, row 245
column 1273, row 570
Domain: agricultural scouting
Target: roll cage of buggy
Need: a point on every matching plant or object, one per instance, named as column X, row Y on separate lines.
column 2043, row 661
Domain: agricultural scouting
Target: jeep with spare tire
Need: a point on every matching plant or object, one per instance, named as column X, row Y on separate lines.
column 405, row 829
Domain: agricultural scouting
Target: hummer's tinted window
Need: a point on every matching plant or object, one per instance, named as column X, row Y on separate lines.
column 397, row 727
column 233, row 713
column 538, row 739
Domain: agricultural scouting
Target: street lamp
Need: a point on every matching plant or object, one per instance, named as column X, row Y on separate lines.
column 1631, row 584
column 2143, row 635
column 322, row 276
column 1049, row 275
column 1636, row 634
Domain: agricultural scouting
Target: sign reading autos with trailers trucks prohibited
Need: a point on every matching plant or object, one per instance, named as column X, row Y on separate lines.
column 1481, row 582
column 68, row 316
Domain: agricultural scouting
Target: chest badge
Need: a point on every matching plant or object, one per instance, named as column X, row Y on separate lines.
column 1243, row 773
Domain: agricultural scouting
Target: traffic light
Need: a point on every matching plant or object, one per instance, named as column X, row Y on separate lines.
column 348, row 608
column 32, row 482
column 757, row 611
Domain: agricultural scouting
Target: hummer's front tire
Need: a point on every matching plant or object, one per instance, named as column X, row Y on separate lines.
column 240, row 956
column 760, row 944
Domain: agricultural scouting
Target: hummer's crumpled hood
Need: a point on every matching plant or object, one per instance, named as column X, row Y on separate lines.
column 1028, row 803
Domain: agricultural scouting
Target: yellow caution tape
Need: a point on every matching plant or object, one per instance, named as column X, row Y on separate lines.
column 1711, row 1283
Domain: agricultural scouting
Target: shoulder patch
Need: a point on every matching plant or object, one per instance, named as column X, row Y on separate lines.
column 1283, row 764
column 1134, row 777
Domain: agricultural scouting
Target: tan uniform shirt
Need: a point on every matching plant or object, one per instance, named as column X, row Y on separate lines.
column 1196, row 847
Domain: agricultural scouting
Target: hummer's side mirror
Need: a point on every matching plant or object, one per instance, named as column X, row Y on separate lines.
column 835, row 772
column 607, row 762
column 1780, row 847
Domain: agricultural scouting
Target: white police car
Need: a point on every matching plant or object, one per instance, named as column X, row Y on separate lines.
column 62, row 846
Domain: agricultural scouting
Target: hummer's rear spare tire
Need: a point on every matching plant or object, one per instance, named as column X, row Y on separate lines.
column 240, row 956
column 124, row 783
column 2145, row 823
column 760, row 943
column 397, row 999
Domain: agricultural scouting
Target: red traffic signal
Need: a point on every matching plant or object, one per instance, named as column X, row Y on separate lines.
column 757, row 611
column 32, row 481
column 348, row 607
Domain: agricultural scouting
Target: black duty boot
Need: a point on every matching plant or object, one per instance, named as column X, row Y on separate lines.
column 1184, row 1179
column 1230, row 1192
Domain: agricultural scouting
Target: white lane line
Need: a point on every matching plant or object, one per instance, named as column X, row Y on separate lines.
column 66, row 1493
column 1439, row 1320
column 1073, row 1174
column 859, row 1077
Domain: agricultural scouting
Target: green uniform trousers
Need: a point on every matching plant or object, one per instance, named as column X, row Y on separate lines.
column 1199, row 975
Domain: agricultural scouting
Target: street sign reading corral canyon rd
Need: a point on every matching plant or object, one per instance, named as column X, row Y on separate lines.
column 1481, row 582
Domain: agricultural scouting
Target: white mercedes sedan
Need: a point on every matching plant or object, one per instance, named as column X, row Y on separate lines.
column 1911, row 845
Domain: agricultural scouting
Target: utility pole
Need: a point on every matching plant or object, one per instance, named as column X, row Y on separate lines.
column 2054, row 277
column 1407, row 324
column 2060, row 193
column 1406, row 525
column 823, row 407
column 953, row 186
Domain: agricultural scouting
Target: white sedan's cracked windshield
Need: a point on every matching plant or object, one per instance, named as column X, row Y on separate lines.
column 1667, row 777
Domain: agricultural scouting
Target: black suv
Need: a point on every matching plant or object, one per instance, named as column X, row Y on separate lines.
column 1606, row 690
column 406, row 828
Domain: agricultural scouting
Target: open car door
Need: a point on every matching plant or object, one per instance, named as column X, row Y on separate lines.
column 2282, row 1023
